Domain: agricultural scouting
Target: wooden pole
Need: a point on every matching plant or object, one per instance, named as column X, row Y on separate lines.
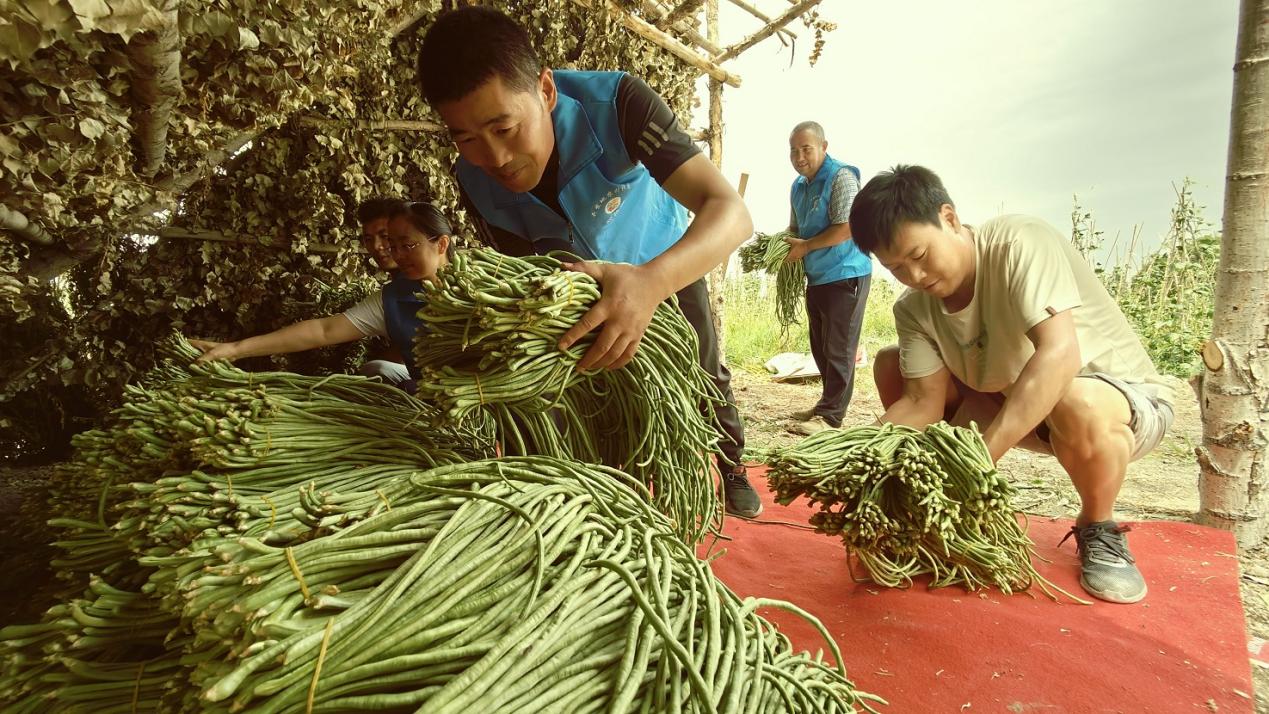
column 216, row 236
column 654, row 15
column 719, row 273
column 685, row 9
column 788, row 16
column 419, row 125
column 57, row 259
column 1234, row 388
column 16, row 221
column 664, row 41
column 53, row 262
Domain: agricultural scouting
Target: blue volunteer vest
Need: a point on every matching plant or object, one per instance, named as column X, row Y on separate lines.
column 401, row 306
column 810, row 205
column 614, row 209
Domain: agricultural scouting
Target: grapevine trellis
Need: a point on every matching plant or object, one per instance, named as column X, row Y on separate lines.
column 193, row 164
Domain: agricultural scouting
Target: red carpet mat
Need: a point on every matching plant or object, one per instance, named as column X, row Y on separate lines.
column 1182, row 649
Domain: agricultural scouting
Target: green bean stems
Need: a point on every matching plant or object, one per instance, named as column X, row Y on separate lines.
column 489, row 352
column 908, row 503
column 766, row 253
column 274, row 543
column 512, row 585
column 520, row 584
column 202, row 446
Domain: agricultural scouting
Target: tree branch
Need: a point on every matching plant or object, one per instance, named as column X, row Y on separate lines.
column 760, row 15
column 775, row 25
column 50, row 263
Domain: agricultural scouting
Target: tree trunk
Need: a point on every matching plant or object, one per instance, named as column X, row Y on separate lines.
column 1234, row 392
column 156, row 87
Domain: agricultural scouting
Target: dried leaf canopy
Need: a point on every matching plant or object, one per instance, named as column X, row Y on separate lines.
column 302, row 74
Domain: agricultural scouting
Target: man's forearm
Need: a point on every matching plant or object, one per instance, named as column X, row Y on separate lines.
column 301, row 336
column 835, row 234
column 717, row 229
column 1043, row 381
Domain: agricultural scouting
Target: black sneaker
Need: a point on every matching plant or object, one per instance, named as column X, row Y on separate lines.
column 740, row 498
column 1107, row 569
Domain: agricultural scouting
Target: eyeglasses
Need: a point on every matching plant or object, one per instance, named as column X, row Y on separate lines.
column 398, row 247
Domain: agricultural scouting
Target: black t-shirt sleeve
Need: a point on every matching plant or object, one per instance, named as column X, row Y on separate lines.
column 650, row 131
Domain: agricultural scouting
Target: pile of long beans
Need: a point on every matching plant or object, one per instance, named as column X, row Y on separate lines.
column 512, row 585
column 108, row 650
column 336, row 567
column 200, row 451
column 766, row 253
column 490, row 352
column 908, row 503
column 202, row 446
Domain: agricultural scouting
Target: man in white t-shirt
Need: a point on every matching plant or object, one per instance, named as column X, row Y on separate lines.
column 1005, row 324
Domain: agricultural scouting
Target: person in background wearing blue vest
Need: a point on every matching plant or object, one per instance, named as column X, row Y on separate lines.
column 596, row 164
column 420, row 244
column 838, row 274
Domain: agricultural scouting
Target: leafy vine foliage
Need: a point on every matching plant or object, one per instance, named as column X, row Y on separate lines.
column 306, row 77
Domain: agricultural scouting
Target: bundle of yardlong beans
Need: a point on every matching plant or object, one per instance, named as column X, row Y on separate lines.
column 206, row 452
column 311, row 572
column 766, row 253
column 204, row 445
column 909, row 503
column 526, row 584
column 108, row 650
column 490, row 352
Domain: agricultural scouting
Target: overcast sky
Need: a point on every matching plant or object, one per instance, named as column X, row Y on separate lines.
column 1016, row 105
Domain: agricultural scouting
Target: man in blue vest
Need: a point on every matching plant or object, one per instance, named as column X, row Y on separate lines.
column 593, row 163
column 838, row 275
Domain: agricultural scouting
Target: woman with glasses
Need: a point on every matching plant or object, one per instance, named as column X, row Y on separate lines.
column 420, row 239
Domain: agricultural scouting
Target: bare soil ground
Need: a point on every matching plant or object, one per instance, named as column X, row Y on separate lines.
column 1161, row 486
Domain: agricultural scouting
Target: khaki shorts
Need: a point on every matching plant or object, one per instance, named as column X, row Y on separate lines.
column 1151, row 416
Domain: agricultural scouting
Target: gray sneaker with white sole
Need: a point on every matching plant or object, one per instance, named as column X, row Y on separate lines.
column 1107, row 570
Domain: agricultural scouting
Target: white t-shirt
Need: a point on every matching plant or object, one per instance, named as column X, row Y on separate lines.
column 367, row 315
column 1026, row 272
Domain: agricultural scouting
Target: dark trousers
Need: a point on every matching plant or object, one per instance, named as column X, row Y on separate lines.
column 835, row 312
column 694, row 302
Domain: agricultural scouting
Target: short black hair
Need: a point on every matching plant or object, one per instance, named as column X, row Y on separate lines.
column 904, row 194
column 467, row 47
column 427, row 219
column 373, row 209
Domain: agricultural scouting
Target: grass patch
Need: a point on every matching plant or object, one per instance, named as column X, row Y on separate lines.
column 752, row 334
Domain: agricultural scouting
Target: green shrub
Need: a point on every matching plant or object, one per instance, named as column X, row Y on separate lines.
column 1168, row 295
